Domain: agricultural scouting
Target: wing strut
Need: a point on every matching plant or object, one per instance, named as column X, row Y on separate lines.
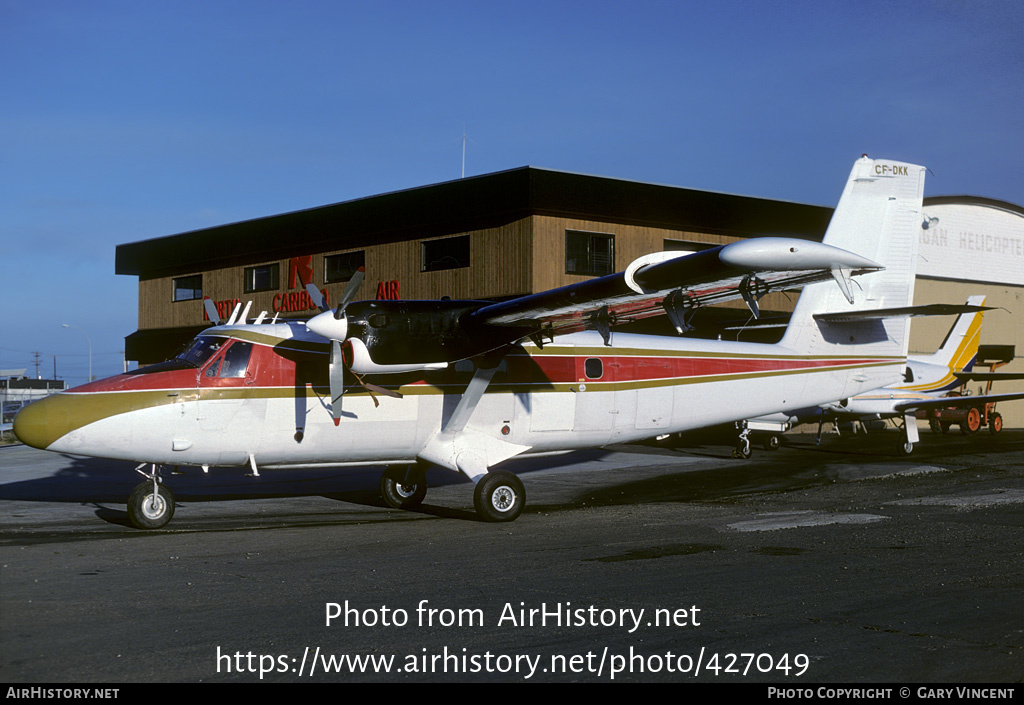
column 463, row 449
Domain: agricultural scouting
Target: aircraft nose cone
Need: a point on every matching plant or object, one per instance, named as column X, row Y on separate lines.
column 41, row 423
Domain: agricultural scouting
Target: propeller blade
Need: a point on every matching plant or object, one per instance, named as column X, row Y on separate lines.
column 317, row 297
column 351, row 289
column 337, row 376
column 211, row 311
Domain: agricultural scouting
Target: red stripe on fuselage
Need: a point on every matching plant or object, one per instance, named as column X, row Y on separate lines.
column 268, row 369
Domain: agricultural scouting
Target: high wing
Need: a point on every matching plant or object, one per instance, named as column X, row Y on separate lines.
column 397, row 336
column 676, row 284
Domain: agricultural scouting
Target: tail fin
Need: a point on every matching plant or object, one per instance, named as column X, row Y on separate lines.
column 878, row 217
column 960, row 348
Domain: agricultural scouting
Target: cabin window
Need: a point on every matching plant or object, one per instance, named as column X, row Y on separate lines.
column 446, row 253
column 591, row 254
column 188, row 288
column 341, row 268
column 262, row 278
column 593, row 367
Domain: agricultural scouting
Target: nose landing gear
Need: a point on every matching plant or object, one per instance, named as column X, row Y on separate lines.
column 151, row 504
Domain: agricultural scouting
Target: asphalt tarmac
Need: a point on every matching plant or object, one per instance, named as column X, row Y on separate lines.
column 844, row 563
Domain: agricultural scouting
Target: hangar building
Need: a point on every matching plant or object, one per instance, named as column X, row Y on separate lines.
column 526, row 230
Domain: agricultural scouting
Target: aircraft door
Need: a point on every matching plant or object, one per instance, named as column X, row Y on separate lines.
column 226, row 398
column 596, row 407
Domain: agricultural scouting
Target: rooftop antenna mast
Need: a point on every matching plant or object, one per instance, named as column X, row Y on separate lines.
column 463, row 151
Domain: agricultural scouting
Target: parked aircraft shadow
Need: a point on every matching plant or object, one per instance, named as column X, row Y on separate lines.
column 799, row 465
column 99, row 481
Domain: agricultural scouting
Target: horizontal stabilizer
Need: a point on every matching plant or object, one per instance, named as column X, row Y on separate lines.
column 988, row 376
column 959, row 402
column 900, row 312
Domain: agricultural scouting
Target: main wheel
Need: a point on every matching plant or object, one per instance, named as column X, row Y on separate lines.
column 149, row 510
column 401, row 489
column 499, row 496
column 771, row 442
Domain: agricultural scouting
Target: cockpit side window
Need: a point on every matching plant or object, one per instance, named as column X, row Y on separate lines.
column 236, row 359
column 233, row 363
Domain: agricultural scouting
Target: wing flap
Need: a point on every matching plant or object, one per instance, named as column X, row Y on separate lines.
column 653, row 285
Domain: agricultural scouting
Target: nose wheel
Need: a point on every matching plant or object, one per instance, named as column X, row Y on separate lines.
column 150, row 505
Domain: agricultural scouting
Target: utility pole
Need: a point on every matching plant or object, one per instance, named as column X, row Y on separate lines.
column 35, row 361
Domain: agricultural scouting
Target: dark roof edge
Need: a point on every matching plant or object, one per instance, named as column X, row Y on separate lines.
column 974, row 201
column 472, row 203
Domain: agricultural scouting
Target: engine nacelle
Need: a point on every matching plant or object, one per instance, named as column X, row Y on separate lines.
column 357, row 359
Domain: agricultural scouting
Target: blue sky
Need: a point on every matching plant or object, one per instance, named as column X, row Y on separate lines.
column 123, row 121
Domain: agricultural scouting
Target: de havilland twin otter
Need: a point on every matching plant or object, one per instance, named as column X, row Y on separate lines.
column 466, row 385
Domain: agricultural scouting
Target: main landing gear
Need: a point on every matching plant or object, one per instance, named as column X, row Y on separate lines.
column 151, row 504
column 499, row 496
column 403, row 486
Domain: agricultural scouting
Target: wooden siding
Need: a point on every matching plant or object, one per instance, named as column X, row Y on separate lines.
column 631, row 242
column 499, row 267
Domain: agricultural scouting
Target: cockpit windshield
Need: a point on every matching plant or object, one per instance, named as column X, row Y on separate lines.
column 194, row 356
column 202, row 349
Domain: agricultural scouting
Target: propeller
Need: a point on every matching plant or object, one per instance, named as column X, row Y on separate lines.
column 333, row 325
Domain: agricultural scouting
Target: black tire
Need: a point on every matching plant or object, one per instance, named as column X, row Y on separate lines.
column 400, row 493
column 771, row 442
column 995, row 423
column 907, row 448
column 742, row 453
column 972, row 423
column 149, row 511
column 499, row 496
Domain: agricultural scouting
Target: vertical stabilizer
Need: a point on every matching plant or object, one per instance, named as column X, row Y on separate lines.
column 878, row 217
column 960, row 348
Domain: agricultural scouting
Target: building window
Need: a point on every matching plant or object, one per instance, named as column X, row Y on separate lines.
column 341, row 268
column 592, row 254
column 448, row 253
column 686, row 246
column 262, row 278
column 188, row 288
